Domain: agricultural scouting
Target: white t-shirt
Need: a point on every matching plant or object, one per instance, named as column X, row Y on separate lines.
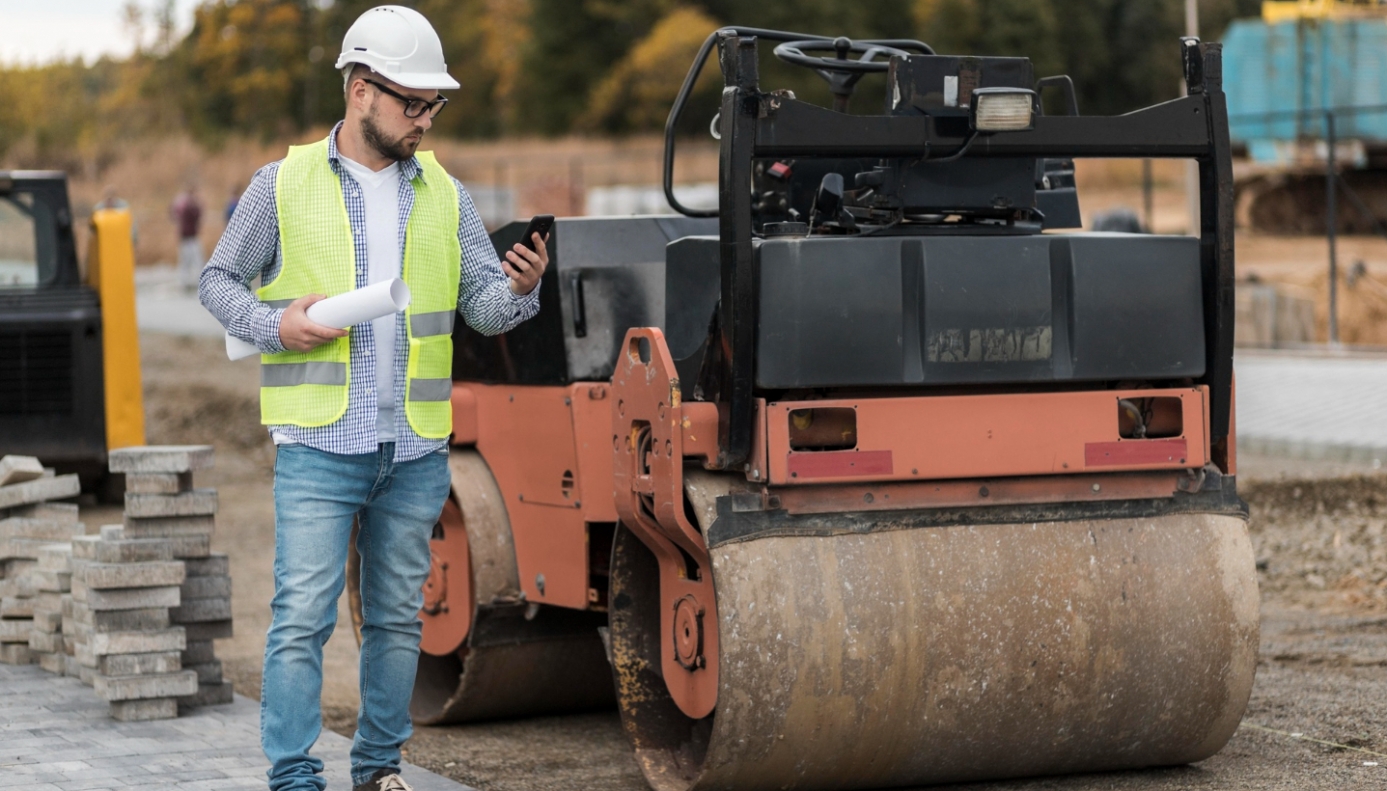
column 380, row 192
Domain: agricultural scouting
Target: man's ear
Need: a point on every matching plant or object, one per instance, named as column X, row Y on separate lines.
column 357, row 94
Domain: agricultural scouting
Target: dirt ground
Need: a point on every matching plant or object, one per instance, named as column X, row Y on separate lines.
column 1317, row 719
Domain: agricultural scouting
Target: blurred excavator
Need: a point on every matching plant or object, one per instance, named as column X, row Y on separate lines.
column 69, row 350
column 860, row 479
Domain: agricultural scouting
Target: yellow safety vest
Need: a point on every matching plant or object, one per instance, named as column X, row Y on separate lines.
column 309, row 389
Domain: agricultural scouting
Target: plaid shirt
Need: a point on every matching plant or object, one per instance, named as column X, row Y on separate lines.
column 250, row 247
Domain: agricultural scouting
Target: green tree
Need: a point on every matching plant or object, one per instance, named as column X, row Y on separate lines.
column 638, row 91
column 245, row 64
column 572, row 45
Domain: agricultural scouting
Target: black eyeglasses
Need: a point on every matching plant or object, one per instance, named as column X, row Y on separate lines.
column 413, row 107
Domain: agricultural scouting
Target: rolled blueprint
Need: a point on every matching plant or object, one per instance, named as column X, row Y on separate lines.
column 343, row 311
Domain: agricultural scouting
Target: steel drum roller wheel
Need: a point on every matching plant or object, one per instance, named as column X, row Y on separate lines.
column 902, row 657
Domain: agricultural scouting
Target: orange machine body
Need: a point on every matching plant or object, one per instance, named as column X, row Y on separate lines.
column 551, row 450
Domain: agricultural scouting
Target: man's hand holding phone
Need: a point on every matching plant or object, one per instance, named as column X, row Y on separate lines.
column 526, row 261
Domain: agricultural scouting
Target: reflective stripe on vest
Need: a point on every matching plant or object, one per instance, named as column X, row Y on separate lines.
column 292, row 374
column 422, row 325
column 430, row 389
column 310, row 389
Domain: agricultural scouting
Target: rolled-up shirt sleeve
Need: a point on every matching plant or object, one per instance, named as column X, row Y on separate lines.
column 485, row 299
column 247, row 249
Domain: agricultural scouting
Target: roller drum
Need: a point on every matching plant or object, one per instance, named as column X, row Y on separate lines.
column 946, row 654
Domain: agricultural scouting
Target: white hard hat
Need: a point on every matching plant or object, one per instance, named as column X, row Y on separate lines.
column 400, row 44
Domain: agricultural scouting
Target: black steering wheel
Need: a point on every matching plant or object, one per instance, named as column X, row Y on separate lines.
column 841, row 72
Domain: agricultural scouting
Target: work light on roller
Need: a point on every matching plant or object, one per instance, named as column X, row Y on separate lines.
column 1002, row 109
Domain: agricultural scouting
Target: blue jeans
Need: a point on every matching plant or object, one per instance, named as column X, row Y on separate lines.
column 317, row 494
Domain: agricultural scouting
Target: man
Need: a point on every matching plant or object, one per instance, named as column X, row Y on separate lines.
column 360, row 418
column 186, row 212
column 232, row 198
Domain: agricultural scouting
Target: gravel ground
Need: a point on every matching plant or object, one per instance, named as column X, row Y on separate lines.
column 1317, row 719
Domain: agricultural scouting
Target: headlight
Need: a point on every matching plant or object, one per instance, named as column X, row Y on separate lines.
column 1001, row 109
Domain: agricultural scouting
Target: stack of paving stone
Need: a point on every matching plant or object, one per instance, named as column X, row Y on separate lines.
column 29, row 522
column 118, row 620
column 161, row 503
column 52, row 581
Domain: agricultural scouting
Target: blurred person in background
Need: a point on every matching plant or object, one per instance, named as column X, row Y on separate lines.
column 232, row 201
column 186, row 212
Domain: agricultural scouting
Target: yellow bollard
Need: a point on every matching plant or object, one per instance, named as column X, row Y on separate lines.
column 112, row 274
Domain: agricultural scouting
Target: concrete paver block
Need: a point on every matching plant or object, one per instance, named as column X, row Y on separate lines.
column 16, row 630
column 212, row 630
column 105, row 576
column 131, row 598
column 77, row 631
column 208, row 695
column 50, row 622
column 16, row 571
column 122, row 550
column 140, row 664
column 201, row 611
column 57, row 512
column 162, row 458
column 52, row 581
column 82, row 649
column 198, row 502
column 55, row 557
column 198, row 652
column 106, row 643
column 22, row 548
column 15, row 607
column 163, row 527
column 18, row 469
column 53, row 663
column 158, row 482
column 47, row 600
column 40, row 489
column 45, row 642
column 40, row 529
column 191, row 546
column 218, row 587
column 159, row 685
column 143, row 619
column 214, row 565
column 144, row 710
column 207, row 672
column 21, row 587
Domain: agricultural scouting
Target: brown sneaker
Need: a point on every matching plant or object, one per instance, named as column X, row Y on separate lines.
column 385, row 780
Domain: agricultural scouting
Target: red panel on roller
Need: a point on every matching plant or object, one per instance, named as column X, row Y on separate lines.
column 840, row 463
column 1136, row 451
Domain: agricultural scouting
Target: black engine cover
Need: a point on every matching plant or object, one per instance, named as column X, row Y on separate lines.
column 931, row 310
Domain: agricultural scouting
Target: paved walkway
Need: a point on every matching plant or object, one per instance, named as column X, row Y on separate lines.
column 1315, row 405
column 56, row 735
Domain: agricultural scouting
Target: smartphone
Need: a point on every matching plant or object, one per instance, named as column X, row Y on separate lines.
column 539, row 224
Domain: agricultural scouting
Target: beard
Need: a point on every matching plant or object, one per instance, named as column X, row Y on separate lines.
column 399, row 149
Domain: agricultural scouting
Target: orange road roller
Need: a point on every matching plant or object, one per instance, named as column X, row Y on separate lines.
column 880, row 473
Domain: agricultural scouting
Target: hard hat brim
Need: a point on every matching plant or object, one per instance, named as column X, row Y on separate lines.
column 422, row 81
